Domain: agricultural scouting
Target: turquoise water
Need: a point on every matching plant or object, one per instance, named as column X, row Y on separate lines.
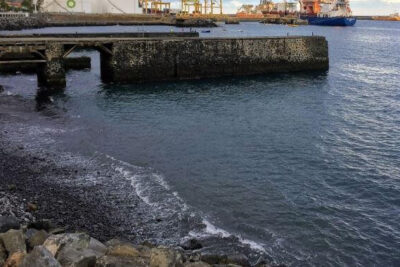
column 304, row 167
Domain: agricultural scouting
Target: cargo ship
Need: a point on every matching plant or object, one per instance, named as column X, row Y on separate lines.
column 327, row 12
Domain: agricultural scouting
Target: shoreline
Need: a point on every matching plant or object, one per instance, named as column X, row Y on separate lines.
column 35, row 21
column 42, row 189
column 22, row 176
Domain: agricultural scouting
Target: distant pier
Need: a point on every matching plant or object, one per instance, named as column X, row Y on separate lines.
column 138, row 57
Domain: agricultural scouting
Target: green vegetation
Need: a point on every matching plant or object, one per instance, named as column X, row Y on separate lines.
column 4, row 6
column 26, row 5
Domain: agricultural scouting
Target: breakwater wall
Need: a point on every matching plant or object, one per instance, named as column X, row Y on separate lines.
column 194, row 58
column 140, row 59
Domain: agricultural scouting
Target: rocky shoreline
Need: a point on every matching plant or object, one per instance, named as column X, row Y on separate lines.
column 39, row 244
column 40, row 195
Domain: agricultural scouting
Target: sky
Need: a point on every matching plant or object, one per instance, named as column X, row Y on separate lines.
column 359, row 7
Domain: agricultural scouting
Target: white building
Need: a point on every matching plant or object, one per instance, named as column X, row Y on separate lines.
column 288, row 6
column 92, row 6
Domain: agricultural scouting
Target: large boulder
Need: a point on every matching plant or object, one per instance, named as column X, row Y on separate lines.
column 114, row 261
column 3, row 253
column 8, row 222
column 78, row 250
column 40, row 257
column 238, row 259
column 197, row 264
column 123, row 249
column 191, row 244
column 165, row 257
column 136, row 255
column 214, row 258
column 14, row 241
column 77, row 241
column 37, row 238
column 71, row 257
column 15, row 259
column 97, row 247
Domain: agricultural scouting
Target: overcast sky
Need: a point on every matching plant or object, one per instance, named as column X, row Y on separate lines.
column 359, row 7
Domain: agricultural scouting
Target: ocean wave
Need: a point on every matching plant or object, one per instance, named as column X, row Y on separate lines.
column 146, row 182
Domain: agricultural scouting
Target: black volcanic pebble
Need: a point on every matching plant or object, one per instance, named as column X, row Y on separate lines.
column 7, row 223
column 191, row 244
column 41, row 225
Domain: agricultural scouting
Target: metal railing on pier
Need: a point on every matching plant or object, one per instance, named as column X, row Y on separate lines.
column 14, row 15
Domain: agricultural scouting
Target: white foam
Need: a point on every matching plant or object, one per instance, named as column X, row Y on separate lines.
column 160, row 179
column 212, row 230
column 134, row 178
column 252, row 244
column 142, row 191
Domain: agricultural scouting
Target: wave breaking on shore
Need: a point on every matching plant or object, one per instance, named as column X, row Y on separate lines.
column 100, row 194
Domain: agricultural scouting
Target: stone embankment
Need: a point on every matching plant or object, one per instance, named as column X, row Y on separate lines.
column 39, row 244
column 20, row 23
column 76, row 20
column 194, row 22
column 284, row 20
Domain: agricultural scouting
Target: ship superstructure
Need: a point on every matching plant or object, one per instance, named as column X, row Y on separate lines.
column 335, row 8
column 326, row 8
column 327, row 12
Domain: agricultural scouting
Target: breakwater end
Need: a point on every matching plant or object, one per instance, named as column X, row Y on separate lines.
column 167, row 56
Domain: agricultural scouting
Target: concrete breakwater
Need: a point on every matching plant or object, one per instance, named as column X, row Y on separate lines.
column 134, row 59
column 195, row 58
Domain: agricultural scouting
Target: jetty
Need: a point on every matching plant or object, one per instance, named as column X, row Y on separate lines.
column 140, row 57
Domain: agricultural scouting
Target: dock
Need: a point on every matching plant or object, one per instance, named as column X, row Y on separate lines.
column 140, row 57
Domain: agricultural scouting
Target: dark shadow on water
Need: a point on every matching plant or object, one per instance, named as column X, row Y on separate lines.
column 223, row 83
column 44, row 97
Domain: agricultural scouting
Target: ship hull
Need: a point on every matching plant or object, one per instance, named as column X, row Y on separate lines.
column 333, row 21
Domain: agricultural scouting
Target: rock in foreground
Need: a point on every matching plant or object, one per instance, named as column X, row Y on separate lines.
column 27, row 246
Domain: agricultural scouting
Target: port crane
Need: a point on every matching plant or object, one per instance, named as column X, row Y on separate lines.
column 196, row 7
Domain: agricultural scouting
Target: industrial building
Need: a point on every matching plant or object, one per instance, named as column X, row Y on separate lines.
column 93, row 6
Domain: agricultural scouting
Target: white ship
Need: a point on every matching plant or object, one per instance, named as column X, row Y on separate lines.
column 92, row 6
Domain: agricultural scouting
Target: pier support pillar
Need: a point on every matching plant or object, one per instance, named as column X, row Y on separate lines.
column 106, row 67
column 52, row 73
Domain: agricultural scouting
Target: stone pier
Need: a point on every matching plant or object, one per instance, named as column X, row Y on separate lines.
column 194, row 58
column 52, row 72
column 158, row 58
